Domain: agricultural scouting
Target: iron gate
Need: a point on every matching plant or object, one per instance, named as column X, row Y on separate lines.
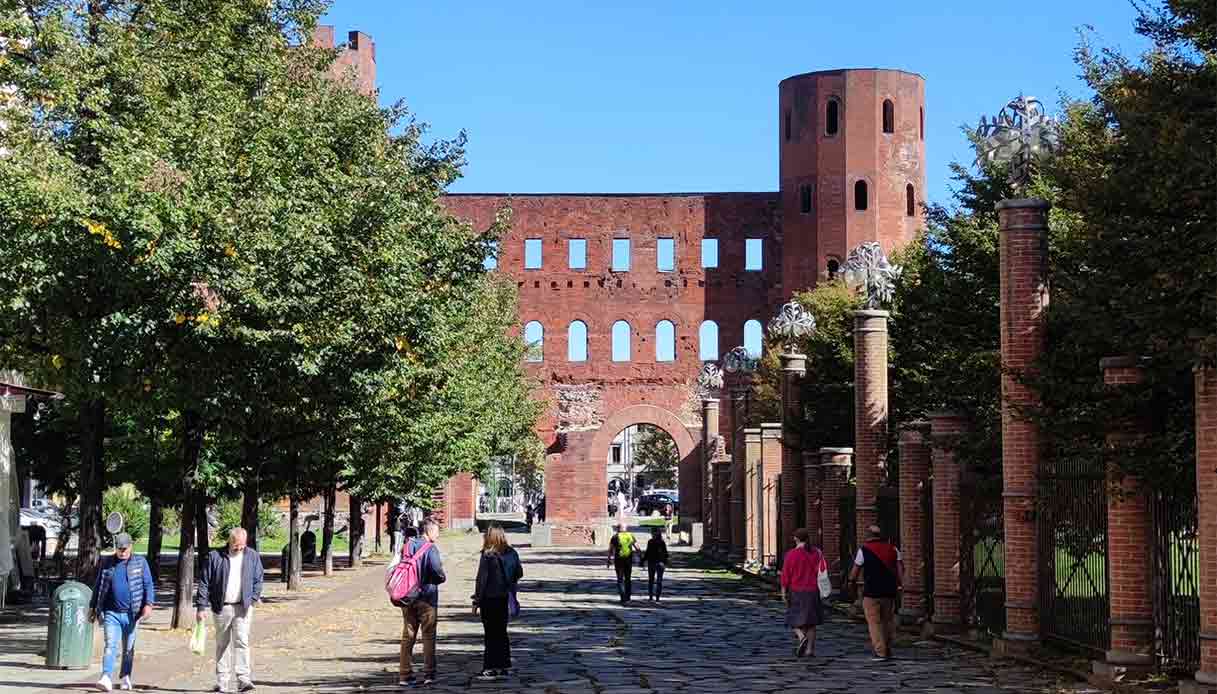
column 1176, row 570
column 982, row 566
column 1073, row 554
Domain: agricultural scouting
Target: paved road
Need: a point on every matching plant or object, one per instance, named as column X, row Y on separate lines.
column 713, row 633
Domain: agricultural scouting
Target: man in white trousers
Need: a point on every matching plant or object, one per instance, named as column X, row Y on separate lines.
column 230, row 585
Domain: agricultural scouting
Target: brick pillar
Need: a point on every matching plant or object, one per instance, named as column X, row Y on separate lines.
column 461, row 500
column 914, row 475
column 834, row 478
column 739, row 408
column 794, row 367
column 870, row 414
column 709, row 448
column 773, row 460
column 753, row 489
column 1023, row 248
column 1129, row 537
column 945, row 429
column 1206, row 501
column 811, row 496
column 722, row 503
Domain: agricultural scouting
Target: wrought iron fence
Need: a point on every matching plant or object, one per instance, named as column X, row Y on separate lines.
column 1176, row 569
column 982, row 561
column 1073, row 554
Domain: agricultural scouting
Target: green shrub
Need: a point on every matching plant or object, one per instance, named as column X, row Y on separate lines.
column 132, row 506
column 229, row 512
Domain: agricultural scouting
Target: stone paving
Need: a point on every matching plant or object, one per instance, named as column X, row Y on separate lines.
column 714, row 632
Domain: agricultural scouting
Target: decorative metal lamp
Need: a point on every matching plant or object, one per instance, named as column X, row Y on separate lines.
column 1020, row 136
column 867, row 270
column 738, row 360
column 709, row 379
column 791, row 325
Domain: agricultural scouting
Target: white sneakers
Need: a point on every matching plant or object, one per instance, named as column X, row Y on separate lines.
column 126, row 684
column 104, row 684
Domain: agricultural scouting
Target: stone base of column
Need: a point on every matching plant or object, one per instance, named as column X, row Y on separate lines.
column 1015, row 644
column 911, row 616
column 1119, row 666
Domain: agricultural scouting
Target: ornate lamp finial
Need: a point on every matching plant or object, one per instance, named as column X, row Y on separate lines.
column 867, row 269
column 792, row 324
column 1019, row 136
column 738, row 360
column 710, row 379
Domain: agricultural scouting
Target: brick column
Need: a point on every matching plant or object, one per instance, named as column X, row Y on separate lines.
column 752, row 495
column 739, row 407
column 811, row 496
column 722, row 503
column 709, row 449
column 771, row 477
column 1206, row 501
column 794, row 367
column 945, row 429
column 870, row 414
column 461, row 500
column 834, row 478
column 1129, row 539
column 914, row 475
column 1023, row 249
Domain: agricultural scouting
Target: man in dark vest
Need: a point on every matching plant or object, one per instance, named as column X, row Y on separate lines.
column 882, row 570
column 123, row 594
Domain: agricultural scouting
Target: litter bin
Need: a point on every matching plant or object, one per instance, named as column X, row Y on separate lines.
column 69, row 634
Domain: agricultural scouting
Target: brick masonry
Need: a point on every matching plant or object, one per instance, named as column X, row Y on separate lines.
column 793, row 515
column 945, row 429
column 709, row 450
column 1023, row 250
column 739, row 474
column 914, row 476
column 722, row 504
column 1206, row 486
column 752, row 492
column 834, row 475
column 772, row 459
column 812, row 484
column 870, row 414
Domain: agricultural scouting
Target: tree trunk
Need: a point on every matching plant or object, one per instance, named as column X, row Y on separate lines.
column 249, row 508
column 156, row 517
column 327, row 533
column 293, row 552
column 201, row 525
column 92, row 423
column 355, row 532
column 377, row 544
column 191, row 446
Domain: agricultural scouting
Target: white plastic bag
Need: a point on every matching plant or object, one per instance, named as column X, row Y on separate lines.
column 198, row 638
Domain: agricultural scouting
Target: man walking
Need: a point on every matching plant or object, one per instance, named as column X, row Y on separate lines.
column 230, row 585
column 622, row 549
column 124, row 593
column 420, row 615
column 882, row 569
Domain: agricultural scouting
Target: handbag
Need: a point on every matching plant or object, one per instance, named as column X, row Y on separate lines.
column 198, row 638
column 513, row 606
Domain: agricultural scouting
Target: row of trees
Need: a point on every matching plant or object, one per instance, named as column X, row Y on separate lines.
column 237, row 270
column 1133, row 270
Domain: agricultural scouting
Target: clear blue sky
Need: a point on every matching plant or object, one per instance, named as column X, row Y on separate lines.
column 682, row 96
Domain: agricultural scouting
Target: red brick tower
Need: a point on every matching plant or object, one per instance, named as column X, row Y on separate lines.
column 852, row 146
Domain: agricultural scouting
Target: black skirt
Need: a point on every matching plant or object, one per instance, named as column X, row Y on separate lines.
column 805, row 609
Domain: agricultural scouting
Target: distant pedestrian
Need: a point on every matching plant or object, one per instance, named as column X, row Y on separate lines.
column 656, row 558
column 622, row 550
column 230, row 585
column 882, row 569
column 805, row 585
column 499, row 572
column 123, row 594
column 528, row 516
column 541, row 511
column 419, row 615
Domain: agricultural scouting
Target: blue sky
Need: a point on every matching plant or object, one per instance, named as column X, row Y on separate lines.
column 682, row 96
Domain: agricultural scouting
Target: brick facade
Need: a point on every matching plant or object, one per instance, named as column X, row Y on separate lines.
column 771, row 482
column 812, row 484
column 834, row 479
column 739, row 475
column 709, row 449
column 722, row 504
column 914, row 476
column 1023, row 250
column 1206, row 488
column 793, row 514
column 355, row 61
column 753, row 490
column 945, row 429
column 870, row 415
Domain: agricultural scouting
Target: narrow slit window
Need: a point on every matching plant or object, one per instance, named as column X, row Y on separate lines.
column 621, row 341
column 910, row 201
column 532, row 254
column 665, row 254
column 860, row 201
column 621, row 255
column 832, row 117
column 754, row 257
column 921, row 121
column 576, row 341
column 889, row 116
column 534, row 341
column 786, row 126
column 709, row 253
column 707, row 341
column 577, row 254
column 805, row 198
column 665, row 341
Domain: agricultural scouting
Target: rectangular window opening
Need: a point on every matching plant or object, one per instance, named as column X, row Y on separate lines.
column 532, row 254
column 665, row 255
column 709, row 253
column 621, row 255
column 577, row 254
column 491, row 261
column 753, row 256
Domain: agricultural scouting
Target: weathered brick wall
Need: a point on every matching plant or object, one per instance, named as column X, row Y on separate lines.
column 834, row 478
column 914, row 475
column 356, row 60
column 945, row 430
column 1206, row 486
column 771, row 480
column 870, row 414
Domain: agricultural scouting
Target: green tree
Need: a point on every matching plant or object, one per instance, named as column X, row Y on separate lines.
column 656, row 456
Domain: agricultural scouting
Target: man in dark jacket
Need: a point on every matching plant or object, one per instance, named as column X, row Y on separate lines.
column 230, row 585
column 882, row 570
column 123, row 594
column 420, row 615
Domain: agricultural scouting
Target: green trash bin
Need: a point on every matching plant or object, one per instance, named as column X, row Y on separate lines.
column 69, row 633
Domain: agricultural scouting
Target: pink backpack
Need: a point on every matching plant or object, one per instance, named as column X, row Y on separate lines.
column 405, row 582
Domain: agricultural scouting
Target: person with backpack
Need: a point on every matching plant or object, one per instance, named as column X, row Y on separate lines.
column 622, row 550
column 655, row 557
column 499, row 572
column 805, row 585
column 882, row 570
column 412, row 581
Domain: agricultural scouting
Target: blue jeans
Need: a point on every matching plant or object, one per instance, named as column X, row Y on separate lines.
column 119, row 628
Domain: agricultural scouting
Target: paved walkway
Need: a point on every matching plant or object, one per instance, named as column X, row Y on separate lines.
column 713, row 633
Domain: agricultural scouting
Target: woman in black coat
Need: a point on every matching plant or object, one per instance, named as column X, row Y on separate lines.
column 499, row 571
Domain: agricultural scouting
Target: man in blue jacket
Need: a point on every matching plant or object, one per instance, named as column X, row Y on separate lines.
column 230, row 585
column 419, row 616
column 123, row 594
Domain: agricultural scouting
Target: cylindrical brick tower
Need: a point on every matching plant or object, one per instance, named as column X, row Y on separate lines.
column 852, row 149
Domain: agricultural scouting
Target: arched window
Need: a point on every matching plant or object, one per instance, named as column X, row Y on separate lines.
column 860, row 200
column 576, row 341
column 707, row 341
column 621, row 341
column 665, row 341
column 910, row 202
column 921, row 121
column 534, row 341
column 832, row 117
column 889, row 116
column 752, row 338
column 805, row 198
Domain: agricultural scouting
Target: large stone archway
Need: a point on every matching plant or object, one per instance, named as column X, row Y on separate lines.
column 576, row 479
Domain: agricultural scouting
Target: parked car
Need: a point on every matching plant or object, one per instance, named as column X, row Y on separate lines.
column 658, row 503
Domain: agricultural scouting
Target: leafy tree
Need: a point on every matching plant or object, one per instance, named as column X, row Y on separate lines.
column 655, row 456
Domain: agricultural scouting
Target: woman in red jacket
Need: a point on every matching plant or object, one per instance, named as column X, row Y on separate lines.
column 805, row 585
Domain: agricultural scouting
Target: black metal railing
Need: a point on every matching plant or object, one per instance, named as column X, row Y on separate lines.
column 982, row 564
column 1176, row 571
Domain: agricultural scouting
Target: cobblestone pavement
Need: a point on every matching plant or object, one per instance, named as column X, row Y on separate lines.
column 713, row 633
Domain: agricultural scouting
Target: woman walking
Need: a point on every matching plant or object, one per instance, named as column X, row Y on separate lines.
column 655, row 557
column 499, row 571
column 804, row 585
